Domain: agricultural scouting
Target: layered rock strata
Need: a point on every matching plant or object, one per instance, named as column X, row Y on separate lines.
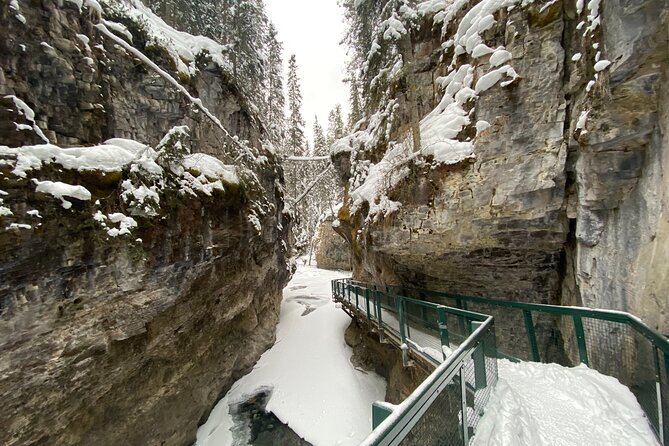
column 332, row 251
column 562, row 198
column 115, row 337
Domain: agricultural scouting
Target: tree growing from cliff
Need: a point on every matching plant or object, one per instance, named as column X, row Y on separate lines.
column 276, row 102
column 354, row 101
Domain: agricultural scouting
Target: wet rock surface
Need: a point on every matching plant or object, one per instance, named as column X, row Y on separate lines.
column 384, row 359
column 255, row 426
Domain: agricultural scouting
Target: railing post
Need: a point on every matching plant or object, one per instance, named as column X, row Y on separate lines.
column 461, row 321
column 443, row 330
column 531, row 335
column 658, row 391
column 478, row 356
column 379, row 314
column 357, row 302
column 403, row 336
column 380, row 411
column 369, row 316
column 463, row 406
column 580, row 339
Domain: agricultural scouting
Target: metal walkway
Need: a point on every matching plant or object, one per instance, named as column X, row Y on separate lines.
column 459, row 338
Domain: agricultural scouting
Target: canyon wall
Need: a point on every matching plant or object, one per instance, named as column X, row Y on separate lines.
column 541, row 177
column 123, row 323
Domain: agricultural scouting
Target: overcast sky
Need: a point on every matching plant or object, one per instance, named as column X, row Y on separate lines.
column 312, row 29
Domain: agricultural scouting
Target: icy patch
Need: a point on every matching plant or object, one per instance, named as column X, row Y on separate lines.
column 119, row 29
column 14, row 6
column 499, row 57
column 582, row 119
column 488, row 80
column 19, row 226
column 211, row 167
column 481, row 50
column 125, row 224
column 481, row 126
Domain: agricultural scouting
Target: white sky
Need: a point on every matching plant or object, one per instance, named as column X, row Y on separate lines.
column 312, row 29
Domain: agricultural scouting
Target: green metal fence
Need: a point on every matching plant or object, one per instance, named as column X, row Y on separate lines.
column 614, row 343
column 446, row 408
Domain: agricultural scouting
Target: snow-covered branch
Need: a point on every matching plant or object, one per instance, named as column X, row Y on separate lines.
column 308, row 158
column 312, row 185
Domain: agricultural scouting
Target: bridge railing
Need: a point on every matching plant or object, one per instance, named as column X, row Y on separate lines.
column 614, row 343
column 446, row 408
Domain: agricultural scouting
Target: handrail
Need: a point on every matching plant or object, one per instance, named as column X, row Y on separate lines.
column 390, row 430
column 646, row 364
column 415, row 334
column 609, row 315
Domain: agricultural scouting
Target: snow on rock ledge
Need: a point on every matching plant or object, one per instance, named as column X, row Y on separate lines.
column 150, row 173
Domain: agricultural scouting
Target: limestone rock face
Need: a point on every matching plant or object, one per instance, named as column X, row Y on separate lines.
column 127, row 340
column 556, row 206
column 332, row 251
column 384, row 359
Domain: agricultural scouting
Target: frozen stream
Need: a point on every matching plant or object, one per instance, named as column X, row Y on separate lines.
column 305, row 380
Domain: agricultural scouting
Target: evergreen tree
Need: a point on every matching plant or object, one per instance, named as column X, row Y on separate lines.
column 320, row 143
column 336, row 127
column 275, row 98
column 296, row 142
column 245, row 34
column 354, row 100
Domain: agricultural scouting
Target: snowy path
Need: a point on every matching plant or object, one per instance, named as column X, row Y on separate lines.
column 316, row 390
column 549, row 405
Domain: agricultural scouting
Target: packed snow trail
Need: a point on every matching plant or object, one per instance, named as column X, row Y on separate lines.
column 549, row 405
column 316, row 390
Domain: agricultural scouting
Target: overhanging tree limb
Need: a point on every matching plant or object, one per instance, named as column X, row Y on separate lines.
column 307, row 158
column 311, row 185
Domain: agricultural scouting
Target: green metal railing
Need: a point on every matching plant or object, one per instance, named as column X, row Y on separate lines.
column 614, row 343
column 446, row 408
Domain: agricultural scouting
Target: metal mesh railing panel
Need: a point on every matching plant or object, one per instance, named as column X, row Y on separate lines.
column 611, row 348
column 422, row 327
column 440, row 424
column 480, row 374
column 640, row 377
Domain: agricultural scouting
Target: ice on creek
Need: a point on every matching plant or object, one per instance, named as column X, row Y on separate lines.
column 314, row 387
